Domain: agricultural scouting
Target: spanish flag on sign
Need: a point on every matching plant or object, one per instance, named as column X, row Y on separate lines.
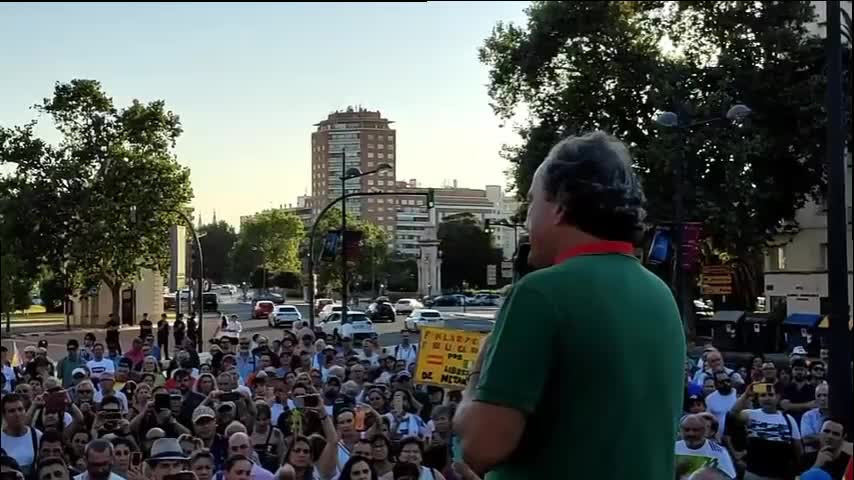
column 16, row 356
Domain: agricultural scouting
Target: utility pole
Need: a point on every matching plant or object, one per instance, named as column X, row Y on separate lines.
column 345, row 277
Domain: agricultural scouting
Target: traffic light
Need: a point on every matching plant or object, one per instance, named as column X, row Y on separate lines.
column 431, row 202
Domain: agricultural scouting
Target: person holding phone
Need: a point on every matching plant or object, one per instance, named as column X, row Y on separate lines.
column 773, row 437
column 300, row 454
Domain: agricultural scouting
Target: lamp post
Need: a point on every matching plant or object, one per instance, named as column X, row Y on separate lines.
column 349, row 174
column 505, row 223
column 199, row 300
column 682, row 124
column 837, row 279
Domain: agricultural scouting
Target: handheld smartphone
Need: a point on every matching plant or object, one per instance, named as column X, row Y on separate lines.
column 111, row 416
column 162, row 401
column 229, row 397
column 185, row 475
column 359, row 420
column 55, row 401
column 760, row 388
column 312, row 400
column 136, row 459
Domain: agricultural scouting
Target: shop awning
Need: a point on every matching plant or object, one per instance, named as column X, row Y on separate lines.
column 802, row 319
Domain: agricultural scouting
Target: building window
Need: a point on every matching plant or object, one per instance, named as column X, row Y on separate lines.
column 370, row 210
column 371, row 145
column 380, row 200
column 370, row 182
column 390, row 156
column 370, row 136
column 370, row 200
column 380, row 182
column 380, row 155
column 390, row 147
column 380, row 219
column 370, row 154
column 777, row 259
column 381, row 146
column 371, row 164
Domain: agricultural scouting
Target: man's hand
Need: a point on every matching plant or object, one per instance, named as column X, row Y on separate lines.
column 825, row 456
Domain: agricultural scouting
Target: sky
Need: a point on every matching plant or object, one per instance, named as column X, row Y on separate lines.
column 250, row 80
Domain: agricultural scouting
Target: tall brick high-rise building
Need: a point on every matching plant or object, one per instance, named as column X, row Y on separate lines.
column 365, row 140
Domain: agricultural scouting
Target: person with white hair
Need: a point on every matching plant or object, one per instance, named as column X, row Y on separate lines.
column 240, row 444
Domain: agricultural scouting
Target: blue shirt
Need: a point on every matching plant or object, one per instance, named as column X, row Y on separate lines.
column 246, row 365
column 811, row 422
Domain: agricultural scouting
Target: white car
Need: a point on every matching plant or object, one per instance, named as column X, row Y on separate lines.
column 284, row 315
column 358, row 326
column 423, row 318
column 328, row 310
column 407, row 305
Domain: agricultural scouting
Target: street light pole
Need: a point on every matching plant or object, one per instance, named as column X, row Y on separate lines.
column 345, row 277
column 837, row 279
column 199, row 303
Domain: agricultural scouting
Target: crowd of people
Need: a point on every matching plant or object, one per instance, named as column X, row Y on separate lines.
column 294, row 407
column 761, row 421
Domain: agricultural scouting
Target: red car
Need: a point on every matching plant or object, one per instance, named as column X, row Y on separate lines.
column 262, row 309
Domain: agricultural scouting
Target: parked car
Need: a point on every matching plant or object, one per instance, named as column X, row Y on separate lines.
column 423, row 318
column 448, row 301
column 322, row 302
column 381, row 312
column 262, row 309
column 407, row 305
column 328, row 310
column 486, row 300
column 358, row 326
column 284, row 315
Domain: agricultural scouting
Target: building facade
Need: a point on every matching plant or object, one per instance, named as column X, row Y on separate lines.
column 354, row 138
column 796, row 269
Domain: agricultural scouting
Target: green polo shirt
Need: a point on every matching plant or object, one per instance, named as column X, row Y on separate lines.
column 592, row 351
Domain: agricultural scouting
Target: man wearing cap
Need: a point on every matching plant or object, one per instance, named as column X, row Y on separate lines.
column 799, row 395
column 204, row 427
column 69, row 363
column 166, row 458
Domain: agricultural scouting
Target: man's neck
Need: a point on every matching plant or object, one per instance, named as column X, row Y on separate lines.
column 769, row 411
column 15, row 431
column 573, row 238
column 696, row 447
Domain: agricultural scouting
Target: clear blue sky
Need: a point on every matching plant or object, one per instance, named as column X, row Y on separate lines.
column 250, row 80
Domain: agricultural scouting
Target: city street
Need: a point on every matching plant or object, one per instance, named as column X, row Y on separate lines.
column 389, row 333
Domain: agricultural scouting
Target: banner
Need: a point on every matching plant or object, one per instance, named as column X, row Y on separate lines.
column 447, row 356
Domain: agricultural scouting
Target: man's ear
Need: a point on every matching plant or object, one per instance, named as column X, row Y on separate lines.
column 558, row 212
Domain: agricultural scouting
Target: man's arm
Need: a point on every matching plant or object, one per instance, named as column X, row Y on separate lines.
column 739, row 409
column 791, row 407
column 507, row 381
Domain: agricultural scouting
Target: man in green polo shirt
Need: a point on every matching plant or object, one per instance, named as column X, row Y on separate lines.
column 583, row 375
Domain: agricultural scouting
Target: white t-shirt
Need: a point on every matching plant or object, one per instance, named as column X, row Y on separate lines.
column 97, row 367
column 9, row 373
column 21, row 448
column 774, row 427
column 374, row 359
column 718, row 405
column 709, row 455
column 409, row 354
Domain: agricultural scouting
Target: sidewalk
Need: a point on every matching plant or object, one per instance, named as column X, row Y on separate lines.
column 54, row 324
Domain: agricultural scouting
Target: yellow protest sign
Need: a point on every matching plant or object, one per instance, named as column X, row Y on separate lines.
column 447, row 356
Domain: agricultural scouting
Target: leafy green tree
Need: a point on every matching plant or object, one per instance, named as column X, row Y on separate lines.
column 581, row 66
column 218, row 240
column 466, row 251
column 270, row 240
column 101, row 201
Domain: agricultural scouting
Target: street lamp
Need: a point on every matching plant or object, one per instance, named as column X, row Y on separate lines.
column 505, row 223
column 735, row 113
column 349, row 174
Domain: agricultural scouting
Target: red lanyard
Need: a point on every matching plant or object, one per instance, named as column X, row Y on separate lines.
column 596, row 248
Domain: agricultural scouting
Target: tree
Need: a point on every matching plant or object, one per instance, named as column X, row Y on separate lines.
column 101, row 201
column 581, row 66
column 467, row 249
column 270, row 240
column 217, row 243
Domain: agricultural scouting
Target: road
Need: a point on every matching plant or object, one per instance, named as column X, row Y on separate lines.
column 389, row 333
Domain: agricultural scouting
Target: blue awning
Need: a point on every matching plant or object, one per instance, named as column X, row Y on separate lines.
column 803, row 319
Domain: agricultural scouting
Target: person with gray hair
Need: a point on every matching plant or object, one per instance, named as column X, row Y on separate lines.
column 100, row 457
column 590, row 296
